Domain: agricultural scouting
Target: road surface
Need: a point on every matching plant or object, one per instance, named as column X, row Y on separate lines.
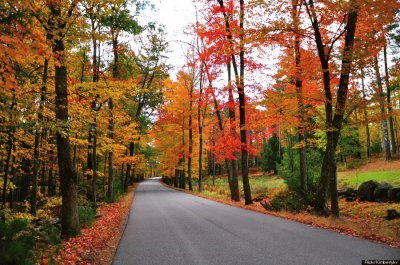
column 168, row 227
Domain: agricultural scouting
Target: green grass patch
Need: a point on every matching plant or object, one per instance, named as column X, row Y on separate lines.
column 260, row 185
column 354, row 179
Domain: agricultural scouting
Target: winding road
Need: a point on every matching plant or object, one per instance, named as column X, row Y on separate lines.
column 172, row 227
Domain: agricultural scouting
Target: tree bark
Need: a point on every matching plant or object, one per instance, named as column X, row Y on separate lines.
column 366, row 116
column 389, row 102
column 299, row 93
column 381, row 97
column 235, row 195
column 110, row 186
column 38, row 135
column 333, row 120
column 190, row 137
column 242, row 111
column 68, row 176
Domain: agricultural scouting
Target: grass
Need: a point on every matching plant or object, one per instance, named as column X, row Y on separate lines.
column 352, row 179
column 261, row 185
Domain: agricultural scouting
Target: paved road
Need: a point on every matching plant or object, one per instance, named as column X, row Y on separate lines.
column 171, row 227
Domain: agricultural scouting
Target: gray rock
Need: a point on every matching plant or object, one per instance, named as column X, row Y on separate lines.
column 381, row 192
column 392, row 214
column 394, row 194
column 366, row 190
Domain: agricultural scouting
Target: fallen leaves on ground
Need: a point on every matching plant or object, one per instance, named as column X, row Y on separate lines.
column 104, row 233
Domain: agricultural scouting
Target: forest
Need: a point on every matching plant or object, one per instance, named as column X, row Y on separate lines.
column 277, row 102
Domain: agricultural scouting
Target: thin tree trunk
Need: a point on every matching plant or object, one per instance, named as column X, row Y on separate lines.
column 299, row 93
column 190, row 137
column 235, row 195
column 381, row 97
column 227, row 163
column 110, row 186
column 366, row 116
column 389, row 102
column 38, row 134
column 94, row 177
column 242, row 111
column 116, row 61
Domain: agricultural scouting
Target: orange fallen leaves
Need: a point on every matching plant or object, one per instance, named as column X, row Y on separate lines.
column 82, row 249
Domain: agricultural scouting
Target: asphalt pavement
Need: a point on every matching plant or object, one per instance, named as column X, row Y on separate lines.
column 170, row 227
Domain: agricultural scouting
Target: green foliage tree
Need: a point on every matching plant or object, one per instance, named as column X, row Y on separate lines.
column 290, row 170
column 270, row 156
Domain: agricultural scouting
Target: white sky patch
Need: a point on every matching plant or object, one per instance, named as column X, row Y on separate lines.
column 175, row 15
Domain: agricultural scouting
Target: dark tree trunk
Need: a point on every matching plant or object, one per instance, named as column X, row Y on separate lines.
column 366, row 116
column 200, row 147
column 95, row 69
column 129, row 167
column 235, row 195
column 242, row 111
column 190, row 138
column 110, row 186
column 333, row 123
column 94, row 177
column 68, row 177
column 9, row 146
column 389, row 102
column 116, row 60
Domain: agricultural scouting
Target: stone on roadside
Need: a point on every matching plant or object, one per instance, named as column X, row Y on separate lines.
column 381, row 192
column 366, row 190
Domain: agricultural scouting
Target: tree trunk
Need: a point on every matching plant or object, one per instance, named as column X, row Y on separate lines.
column 94, row 55
column 110, row 186
column 366, row 116
column 94, row 177
column 10, row 143
column 333, row 123
column 299, row 93
column 128, row 167
column 190, row 138
column 116, row 61
column 235, row 195
column 242, row 111
column 381, row 97
column 200, row 183
column 221, row 127
column 389, row 102
column 68, row 176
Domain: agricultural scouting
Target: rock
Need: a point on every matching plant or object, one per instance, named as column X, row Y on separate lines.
column 381, row 192
column 392, row 214
column 394, row 194
column 259, row 198
column 366, row 190
column 351, row 198
column 350, row 192
column 267, row 206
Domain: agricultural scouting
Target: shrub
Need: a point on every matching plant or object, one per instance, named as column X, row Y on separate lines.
column 16, row 241
column 289, row 201
column 270, row 154
column 86, row 215
column 290, row 170
column 376, row 147
column 118, row 190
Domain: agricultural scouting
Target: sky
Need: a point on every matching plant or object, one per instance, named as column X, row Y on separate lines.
column 175, row 15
